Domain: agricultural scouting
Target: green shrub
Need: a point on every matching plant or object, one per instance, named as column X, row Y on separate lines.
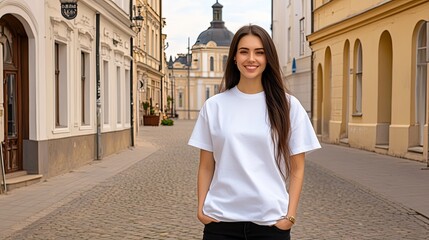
column 167, row 122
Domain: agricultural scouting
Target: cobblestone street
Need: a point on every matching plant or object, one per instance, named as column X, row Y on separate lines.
column 156, row 199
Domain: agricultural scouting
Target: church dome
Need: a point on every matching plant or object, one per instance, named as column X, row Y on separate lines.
column 217, row 32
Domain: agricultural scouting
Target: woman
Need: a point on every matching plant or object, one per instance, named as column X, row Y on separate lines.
column 253, row 137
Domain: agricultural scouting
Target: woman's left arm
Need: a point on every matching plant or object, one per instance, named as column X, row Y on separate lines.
column 296, row 179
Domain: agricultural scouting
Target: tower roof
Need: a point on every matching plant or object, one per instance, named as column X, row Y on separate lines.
column 217, row 31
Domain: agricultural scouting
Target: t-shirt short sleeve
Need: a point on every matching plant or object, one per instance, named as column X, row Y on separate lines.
column 201, row 137
column 303, row 138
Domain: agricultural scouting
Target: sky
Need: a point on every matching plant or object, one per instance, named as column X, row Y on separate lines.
column 188, row 18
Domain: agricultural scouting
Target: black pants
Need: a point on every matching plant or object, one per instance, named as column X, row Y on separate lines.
column 243, row 231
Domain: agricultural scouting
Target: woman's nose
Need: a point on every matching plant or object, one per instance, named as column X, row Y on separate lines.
column 251, row 57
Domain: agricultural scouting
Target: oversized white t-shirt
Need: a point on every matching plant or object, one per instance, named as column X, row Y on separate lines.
column 247, row 184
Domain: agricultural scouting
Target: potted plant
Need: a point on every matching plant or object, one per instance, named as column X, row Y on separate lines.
column 150, row 119
column 146, row 107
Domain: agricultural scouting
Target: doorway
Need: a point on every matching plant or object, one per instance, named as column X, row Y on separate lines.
column 15, row 91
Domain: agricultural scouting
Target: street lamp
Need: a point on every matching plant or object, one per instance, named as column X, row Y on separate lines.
column 138, row 18
column 173, row 78
column 69, row 9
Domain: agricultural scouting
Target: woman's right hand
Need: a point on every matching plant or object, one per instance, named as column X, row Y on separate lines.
column 204, row 219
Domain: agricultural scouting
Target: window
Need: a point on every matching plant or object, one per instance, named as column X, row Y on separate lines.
column 61, row 88
column 211, row 63
column 207, row 93
column 85, row 88
column 358, row 83
column 289, row 44
column 217, row 15
column 156, row 46
column 224, row 59
column 216, row 89
column 12, row 104
column 301, row 36
column 152, row 44
column 105, row 91
column 118, row 95
column 421, row 80
column 180, row 99
column 127, row 97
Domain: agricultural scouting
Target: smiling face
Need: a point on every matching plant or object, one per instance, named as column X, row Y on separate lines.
column 250, row 58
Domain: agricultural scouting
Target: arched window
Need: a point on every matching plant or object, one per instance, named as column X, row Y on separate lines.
column 211, row 63
column 421, row 80
column 224, row 59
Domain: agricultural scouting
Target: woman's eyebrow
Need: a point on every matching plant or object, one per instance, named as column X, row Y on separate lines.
column 245, row 48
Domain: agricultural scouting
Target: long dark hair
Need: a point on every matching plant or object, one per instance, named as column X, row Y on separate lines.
column 278, row 105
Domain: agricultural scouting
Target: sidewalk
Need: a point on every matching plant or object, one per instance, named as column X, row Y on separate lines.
column 23, row 206
column 399, row 180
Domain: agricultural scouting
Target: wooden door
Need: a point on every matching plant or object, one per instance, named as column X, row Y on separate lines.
column 12, row 101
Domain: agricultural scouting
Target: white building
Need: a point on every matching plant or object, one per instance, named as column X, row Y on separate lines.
column 207, row 63
column 51, row 83
column 291, row 23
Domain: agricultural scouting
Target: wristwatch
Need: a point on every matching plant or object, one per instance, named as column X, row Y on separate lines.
column 291, row 219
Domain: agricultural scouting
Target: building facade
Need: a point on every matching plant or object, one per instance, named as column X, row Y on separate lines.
column 59, row 110
column 149, row 58
column 197, row 75
column 370, row 75
column 291, row 23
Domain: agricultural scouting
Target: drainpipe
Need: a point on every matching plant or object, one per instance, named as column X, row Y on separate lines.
column 188, row 62
column 312, row 65
column 131, row 79
column 272, row 18
column 97, row 69
column 161, row 55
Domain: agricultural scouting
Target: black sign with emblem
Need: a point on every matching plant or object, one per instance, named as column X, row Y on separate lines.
column 69, row 10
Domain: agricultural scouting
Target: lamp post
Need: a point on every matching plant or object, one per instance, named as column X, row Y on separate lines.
column 172, row 96
column 137, row 19
column 188, row 62
column 69, row 9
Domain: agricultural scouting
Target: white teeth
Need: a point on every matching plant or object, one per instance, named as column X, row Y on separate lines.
column 251, row 67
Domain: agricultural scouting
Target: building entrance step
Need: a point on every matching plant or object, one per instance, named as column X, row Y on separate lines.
column 20, row 179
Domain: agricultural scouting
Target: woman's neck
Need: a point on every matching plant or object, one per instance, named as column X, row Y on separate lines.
column 250, row 87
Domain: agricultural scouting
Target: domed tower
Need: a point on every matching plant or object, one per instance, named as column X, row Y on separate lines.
column 197, row 76
column 217, row 32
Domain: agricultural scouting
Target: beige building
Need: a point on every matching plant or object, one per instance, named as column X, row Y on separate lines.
column 291, row 23
column 149, row 59
column 197, row 76
column 370, row 71
column 59, row 110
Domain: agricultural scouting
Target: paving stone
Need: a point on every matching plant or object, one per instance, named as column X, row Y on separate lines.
column 156, row 199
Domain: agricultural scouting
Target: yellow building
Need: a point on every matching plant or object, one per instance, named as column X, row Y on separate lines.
column 197, row 75
column 370, row 75
column 149, row 59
